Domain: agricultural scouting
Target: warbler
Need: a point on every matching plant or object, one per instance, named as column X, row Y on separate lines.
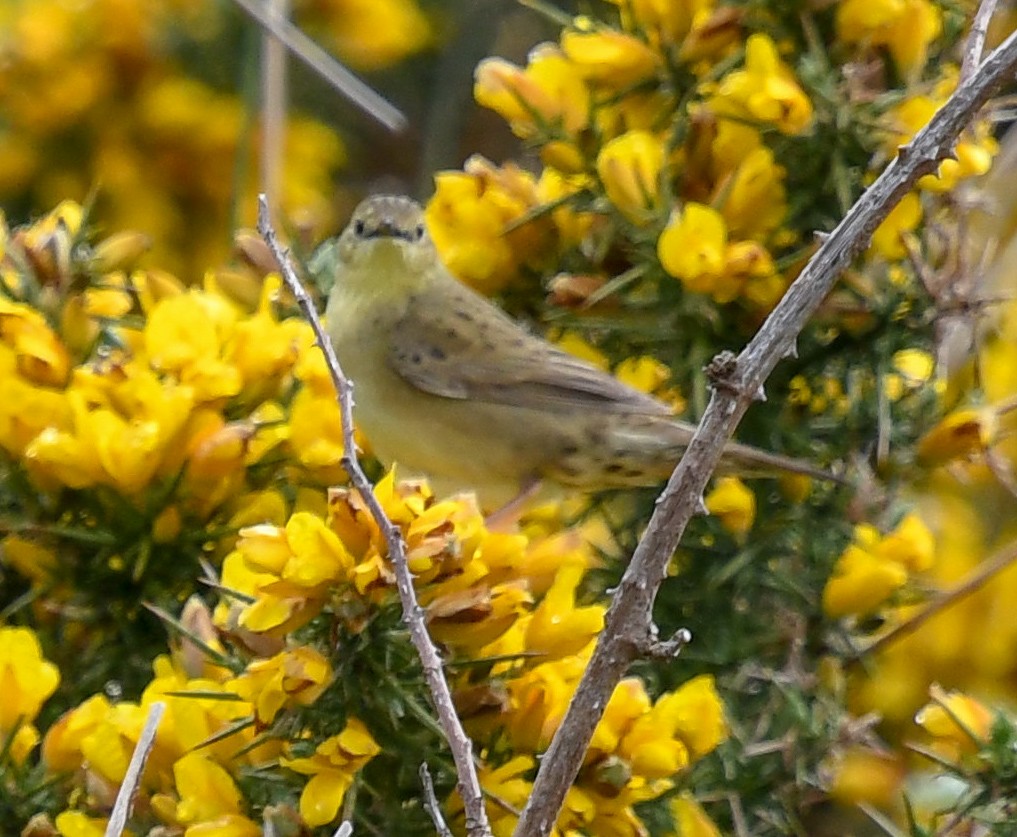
column 448, row 386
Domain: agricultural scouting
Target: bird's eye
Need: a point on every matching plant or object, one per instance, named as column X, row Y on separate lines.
column 419, row 232
column 358, row 227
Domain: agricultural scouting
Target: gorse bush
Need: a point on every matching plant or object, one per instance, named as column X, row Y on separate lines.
column 171, row 451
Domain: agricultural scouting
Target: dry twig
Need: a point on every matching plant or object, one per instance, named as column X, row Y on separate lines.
column 431, row 802
column 132, row 779
column 628, row 625
column 459, row 742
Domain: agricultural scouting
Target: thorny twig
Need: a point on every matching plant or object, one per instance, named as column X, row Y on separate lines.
column 630, row 615
column 441, row 695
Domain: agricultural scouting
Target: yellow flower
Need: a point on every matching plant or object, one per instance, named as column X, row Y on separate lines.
column 682, row 726
column 861, row 582
column 905, row 27
column 960, row 724
column 506, row 784
column 959, row 435
column 39, row 354
column 609, row 58
column 693, row 243
column 294, row 677
column 470, row 619
column 734, row 504
column 28, row 680
column 558, row 628
column 549, row 95
column 79, row 824
column 866, row 776
column 469, row 215
column 665, row 22
column 192, row 721
column 287, row 570
column 331, row 768
column 62, row 746
column 210, row 802
column 628, row 702
column 753, row 200
column 315, row 432
column 911, row 545
column 765, row 91
column 26, row 411
column 260, row 347
column 540, row 697
column 888, row 238
column 30, row 558
column 630, row 168
column 913, row 369
column 374, row 34
column 691, row 819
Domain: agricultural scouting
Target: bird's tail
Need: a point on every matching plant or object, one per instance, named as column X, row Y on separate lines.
column 746, row 460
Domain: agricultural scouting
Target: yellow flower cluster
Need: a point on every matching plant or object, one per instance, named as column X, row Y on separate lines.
column 479, row 590
column 94, row 99
column 29, row 680
column 152, row 407
column 206, row 736
column 713, row 202
column 875, row 566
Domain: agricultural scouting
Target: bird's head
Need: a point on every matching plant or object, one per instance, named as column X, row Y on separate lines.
column 387, row 237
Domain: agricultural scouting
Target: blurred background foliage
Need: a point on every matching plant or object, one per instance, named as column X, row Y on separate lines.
column 642, row 187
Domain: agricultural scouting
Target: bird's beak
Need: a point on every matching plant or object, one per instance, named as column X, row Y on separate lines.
column 387, row 229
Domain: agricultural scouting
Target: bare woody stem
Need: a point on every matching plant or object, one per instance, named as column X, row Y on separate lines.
column 629, row 629
column 413, row 615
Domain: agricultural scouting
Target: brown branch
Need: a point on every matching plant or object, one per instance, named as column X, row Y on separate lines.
column 459, row 743
column 342, row 80
column 629, row 619
column 974, row 582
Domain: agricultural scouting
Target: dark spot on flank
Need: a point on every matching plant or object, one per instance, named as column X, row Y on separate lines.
column 451, row 333
column 465, row 316
column 415, row 357
column 437, row 353
column 615, row 468
column 518, row 342
column 570, row 449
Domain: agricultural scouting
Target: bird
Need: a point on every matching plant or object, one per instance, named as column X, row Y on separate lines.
column 447, row 386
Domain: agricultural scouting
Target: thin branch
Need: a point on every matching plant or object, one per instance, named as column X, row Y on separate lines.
column 978, row 579
column 132, row 779
column 431, row 802
column 459, row 742
column 342, row 80
column 974, row 48
column 273, row 102
column 736, row 385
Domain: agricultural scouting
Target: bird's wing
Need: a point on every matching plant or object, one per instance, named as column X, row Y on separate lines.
column 456, row 344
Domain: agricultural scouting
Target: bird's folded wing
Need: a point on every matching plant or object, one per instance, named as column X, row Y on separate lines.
column 464, row 348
